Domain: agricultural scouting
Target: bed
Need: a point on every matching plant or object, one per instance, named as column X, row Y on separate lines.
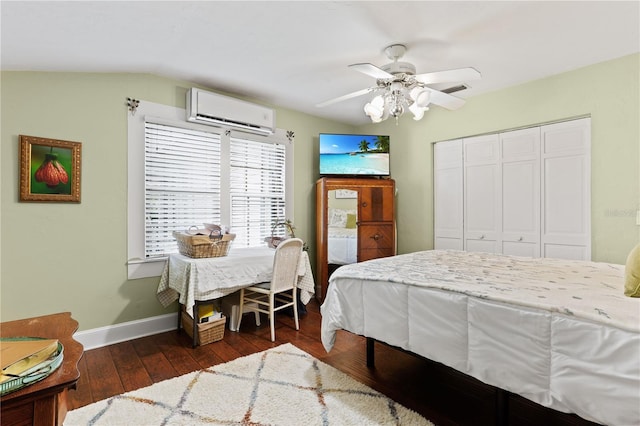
column 559, row 333
column 342, row 247
column 342, row 234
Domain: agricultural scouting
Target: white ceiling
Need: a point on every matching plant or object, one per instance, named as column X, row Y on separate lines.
column 295, row 54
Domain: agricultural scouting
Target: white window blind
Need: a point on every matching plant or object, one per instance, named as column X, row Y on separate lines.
column 194, row 176
column 257, row 189
column 182, row 183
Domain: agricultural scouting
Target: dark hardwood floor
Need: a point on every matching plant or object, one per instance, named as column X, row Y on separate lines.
column 439, row 393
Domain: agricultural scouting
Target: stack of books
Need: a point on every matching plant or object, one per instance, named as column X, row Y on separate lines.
column 208, row 313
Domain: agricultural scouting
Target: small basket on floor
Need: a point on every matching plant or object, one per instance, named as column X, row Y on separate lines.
column 208, row 332
column 201, row 246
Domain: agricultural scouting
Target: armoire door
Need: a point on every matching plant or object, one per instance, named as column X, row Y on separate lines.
column 376, row 203
column 374, row 223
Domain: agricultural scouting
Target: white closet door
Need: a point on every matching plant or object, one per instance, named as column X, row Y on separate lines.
column 566, row 185
column 482, row 187
column 520, row 162
column 448, row 197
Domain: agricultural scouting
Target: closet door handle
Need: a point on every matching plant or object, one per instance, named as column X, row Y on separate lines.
column 376, row 237
column 364, row 204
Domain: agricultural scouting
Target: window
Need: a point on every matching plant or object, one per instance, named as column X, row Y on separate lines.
column 182, row 183
column 183, row 174
column 257, row 189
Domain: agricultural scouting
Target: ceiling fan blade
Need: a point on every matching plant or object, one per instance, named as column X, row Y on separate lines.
column 347, row 96
column 371, row 70
column 449, row 76
column 445, row 100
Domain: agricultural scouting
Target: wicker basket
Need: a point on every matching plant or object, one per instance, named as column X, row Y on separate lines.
column 274, row 240
column 200, row 246
column 208, row 332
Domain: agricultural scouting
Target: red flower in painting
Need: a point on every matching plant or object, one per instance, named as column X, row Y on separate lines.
column 51, row 171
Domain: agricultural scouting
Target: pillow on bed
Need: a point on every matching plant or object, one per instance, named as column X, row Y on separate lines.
column 632, row 273
column 351, row 221
column 337, row 217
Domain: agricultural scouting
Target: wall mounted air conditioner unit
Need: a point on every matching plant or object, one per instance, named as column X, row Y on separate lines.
column 217, row 110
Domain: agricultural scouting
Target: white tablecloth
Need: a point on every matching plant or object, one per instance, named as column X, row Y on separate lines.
column 187, row 280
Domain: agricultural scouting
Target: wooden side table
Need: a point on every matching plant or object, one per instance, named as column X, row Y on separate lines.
column 44, row 402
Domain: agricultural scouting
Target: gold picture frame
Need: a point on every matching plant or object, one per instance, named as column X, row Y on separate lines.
column 49, row 169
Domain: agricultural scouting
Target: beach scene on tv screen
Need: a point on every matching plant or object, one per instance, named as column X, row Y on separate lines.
column 354, row 154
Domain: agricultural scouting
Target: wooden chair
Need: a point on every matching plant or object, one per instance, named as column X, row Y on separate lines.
column 281, row 289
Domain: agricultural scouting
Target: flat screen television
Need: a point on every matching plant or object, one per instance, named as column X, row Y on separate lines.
column 354, row 155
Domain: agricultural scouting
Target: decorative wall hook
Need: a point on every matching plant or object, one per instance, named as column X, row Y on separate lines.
column 133, row 105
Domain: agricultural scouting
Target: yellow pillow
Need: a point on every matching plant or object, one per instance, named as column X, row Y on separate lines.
column 632, row 273
column 351, row 221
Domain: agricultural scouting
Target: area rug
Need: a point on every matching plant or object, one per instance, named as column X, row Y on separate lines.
column 280, row 386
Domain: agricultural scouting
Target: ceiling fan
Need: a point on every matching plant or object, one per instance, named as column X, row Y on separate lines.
column 399, row 88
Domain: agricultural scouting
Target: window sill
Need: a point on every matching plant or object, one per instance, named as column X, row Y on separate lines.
column 137, row 268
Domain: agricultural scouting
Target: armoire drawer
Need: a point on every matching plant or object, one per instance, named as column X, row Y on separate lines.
column 368, row 254
column 375, row 236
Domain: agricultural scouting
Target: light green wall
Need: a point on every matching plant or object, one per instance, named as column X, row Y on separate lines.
column 609, row 92
column 71, row 257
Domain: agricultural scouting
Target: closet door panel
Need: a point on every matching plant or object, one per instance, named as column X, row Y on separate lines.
column 482, row 245
column 481, row 150
column 520, row 155
column 565, row 202
column 525, row 192
column 444, row 243
column 520, row 200
column 568, row 136
column 448, row 195
column 482, row 205
column 566, row 188
column 482, row 216
column 518, row 248
column 565, row 251
column 448, row 207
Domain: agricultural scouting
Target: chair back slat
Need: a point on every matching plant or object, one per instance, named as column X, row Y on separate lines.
column 285, row 265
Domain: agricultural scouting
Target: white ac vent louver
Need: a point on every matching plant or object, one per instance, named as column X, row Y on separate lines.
column 216, row 110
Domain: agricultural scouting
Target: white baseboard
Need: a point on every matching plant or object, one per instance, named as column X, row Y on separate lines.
column 103, row 336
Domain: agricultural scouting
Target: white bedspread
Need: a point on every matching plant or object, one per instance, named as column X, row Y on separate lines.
column 342, row 245
column 560, row 333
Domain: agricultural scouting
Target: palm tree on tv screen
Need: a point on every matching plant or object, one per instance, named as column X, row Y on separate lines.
column 382, row 143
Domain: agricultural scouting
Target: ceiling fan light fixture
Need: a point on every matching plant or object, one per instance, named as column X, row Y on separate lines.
column 375, row 108
column 421, row 96
column 378, row 101
column 417, row 111
column 401, row 89
column 372, row 111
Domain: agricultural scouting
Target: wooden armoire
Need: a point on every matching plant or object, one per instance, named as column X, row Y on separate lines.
column 375, row 221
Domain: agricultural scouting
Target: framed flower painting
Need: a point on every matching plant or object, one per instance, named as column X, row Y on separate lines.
column 49, row 169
